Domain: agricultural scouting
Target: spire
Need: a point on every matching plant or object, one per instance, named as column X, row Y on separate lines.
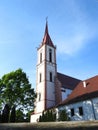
column 47, row 40
column 46, row 29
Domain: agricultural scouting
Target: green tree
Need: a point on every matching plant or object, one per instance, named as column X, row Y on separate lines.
column 27, row 116
column 19, row 116
column 16, row 91
column 40, row 119
column 5, row 114
column 63, row 116
column 47, row 116
column 13, row 114
column 0, row 117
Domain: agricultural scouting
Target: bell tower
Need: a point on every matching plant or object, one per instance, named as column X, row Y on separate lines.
column 46, row 73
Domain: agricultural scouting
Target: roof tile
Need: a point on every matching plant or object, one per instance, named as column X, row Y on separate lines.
column 83, row 91
column 67, row 81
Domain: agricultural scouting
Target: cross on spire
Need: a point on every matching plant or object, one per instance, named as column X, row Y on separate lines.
column 46, row 19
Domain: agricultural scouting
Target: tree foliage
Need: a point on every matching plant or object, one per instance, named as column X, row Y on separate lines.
column 63, row 116
column 50, row 115
column 13, row 114
column 19, row 115
column 47, row 116
column 0, row 117
column 16, row 91
column 5, row 114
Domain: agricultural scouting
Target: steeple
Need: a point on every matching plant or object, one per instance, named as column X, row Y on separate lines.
column 46, row 73
column 47, row 40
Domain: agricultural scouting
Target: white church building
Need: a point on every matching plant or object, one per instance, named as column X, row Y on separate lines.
column 52, row 87
column 58, row 90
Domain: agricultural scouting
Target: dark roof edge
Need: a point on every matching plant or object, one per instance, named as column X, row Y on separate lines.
column 69, row 76
column 80, row 98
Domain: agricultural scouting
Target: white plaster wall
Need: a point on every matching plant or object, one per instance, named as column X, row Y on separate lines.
column 40, row 104
column 40, row 107
column 50, row 86
column 51, row 68
column 95, row 105
column 66, row 93
column 35, row 117
column 40, row 86
column 90, row 110
column 53, row 53
column 41, row 90
column 50, row 95
column 87, row 110
column 50, row 91
column 40, row 69
column 41, row 50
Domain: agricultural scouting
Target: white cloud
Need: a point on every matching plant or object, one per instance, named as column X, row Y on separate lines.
column 79, row 31
column 72, row 44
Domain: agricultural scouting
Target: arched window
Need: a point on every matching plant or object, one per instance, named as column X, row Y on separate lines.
column 50, row 55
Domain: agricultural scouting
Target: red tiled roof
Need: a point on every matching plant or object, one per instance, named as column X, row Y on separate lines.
column 67, row 81
column 82, row 92
column 47, row 40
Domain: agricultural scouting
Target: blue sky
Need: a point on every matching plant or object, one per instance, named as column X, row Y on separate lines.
column 73, row 27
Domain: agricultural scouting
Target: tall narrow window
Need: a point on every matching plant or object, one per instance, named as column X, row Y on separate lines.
column 39, row 98
column 72, row 112
column 40, row 77
column 50, row 55
column 81, row 111
column 40, row 57
column 50, row 76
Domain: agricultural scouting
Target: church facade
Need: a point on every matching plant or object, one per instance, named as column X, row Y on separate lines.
column 52, row 87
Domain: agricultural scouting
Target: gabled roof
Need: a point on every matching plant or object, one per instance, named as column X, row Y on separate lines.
column 67, row 81
column 85, row 90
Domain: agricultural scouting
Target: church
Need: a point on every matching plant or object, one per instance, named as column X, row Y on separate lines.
column 52, row 87
column 60, row 91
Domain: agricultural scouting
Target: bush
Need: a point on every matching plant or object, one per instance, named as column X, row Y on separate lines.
column 63, row 116
column 47, row 116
